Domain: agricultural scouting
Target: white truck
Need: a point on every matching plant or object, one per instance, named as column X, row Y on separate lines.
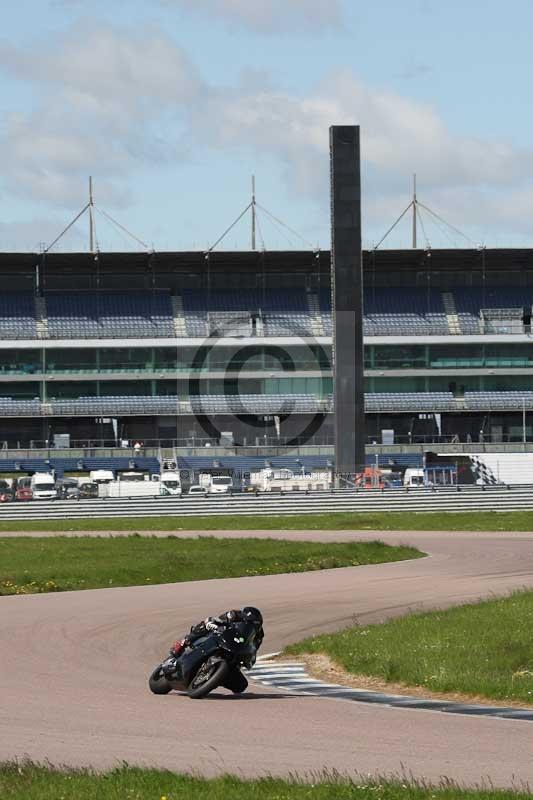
column 285, row 480
column 43, row 486
column 125, row 486
column 170, row 483
column 414, row 477
column 215, row 484
column 101, row 476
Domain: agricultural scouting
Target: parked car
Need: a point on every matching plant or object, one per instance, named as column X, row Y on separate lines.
column 87, row 490
column 23, row 493
column 198, row 490
column 23, row 490
column 67, row 489
column 6, row 492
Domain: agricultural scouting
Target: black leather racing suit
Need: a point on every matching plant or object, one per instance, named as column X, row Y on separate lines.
column 221, row 622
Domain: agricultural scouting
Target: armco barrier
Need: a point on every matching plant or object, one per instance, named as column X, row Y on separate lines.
column 446, row 500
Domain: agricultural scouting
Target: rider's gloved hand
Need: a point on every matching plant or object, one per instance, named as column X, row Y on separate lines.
column 211, row 626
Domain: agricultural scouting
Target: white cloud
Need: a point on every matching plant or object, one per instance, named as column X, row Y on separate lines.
column 34, row 234
column 268, row 16
column 111, row 102
column 105, row 94
column 398, row 135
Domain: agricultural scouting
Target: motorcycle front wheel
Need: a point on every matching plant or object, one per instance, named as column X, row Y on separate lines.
column 158, row 683
column 208, row 677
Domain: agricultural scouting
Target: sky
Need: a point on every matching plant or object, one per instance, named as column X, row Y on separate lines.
column 172, row 106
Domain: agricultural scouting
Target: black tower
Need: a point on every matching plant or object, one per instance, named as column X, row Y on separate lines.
column 347, row 298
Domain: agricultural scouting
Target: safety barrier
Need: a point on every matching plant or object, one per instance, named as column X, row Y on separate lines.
column 474, row 498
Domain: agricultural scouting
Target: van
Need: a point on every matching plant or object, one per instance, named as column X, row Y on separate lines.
column 43, row 486
column 170, row 483
column 216, row 484
column 414, row 477
column 101, row 476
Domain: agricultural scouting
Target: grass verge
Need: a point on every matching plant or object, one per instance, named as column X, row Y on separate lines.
column 32, row 782
column 379, row 521
column 483, row 650
column 61, row 563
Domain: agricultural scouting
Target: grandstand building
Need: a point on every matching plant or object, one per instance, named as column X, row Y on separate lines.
column 181, row 348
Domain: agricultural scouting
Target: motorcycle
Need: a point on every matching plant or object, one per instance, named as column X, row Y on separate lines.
column 211, row 661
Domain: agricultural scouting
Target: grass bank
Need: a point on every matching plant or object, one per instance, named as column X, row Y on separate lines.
column 61, row 563
column 30, row 782
column 484, row 649
column 379, row 521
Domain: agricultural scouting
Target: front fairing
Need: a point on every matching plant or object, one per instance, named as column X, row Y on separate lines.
column 192, row 658
column 239, row 639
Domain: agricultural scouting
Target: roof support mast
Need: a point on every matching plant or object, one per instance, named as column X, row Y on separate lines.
column 91, row 216
column 253, row 212
column 417, row 207
column 415, row 211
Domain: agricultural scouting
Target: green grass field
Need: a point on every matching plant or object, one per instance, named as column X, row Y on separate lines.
column 379, row 521
column 61, row 563
column 30, row 782
column 483, row 649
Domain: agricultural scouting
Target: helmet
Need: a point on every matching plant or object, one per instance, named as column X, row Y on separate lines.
column 253, row 615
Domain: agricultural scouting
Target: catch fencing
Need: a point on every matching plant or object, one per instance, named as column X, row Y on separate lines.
column 471, row 498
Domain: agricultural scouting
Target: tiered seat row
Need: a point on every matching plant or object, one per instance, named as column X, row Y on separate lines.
column 259, row 404
column 395, row 312
column 109, row 315
column 281, row 404
column 115, row 405
column 17, row 316
column 134, row 314
column 60, row 465
column 410, row 401
column 19, row 408
column 482, row 401
column 283, row 313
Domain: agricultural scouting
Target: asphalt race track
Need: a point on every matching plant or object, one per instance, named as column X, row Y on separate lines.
column 74, row 668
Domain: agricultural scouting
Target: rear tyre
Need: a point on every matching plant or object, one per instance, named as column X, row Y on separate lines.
column 214, row 678
column 158, row 683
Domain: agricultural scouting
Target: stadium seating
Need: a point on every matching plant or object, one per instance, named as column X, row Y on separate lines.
column 470, row 302
column 410, row 401
column 17, row 316
column 282, row 404
column 239, row 465
column 506, row 400
column 61, row 465
column 282, row 313
column 249, row 463
column 135, row 314
column 208, row 404
column 109, row 315
column 395, row 312
column 19, row 408
column 259, row 404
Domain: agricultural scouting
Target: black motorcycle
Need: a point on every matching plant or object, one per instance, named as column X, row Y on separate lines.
column 211, row 661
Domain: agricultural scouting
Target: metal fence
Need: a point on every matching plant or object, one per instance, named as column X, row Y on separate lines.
column 472, row 499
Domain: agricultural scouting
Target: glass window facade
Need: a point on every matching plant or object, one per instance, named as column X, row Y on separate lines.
column 453, row 356
column 77, row 372
column 20, row 362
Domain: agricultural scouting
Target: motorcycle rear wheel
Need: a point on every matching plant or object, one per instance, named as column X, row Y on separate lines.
column 158, row 683
column 216, row 678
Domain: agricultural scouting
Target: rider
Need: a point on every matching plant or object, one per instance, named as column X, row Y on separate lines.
column 220, row 623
